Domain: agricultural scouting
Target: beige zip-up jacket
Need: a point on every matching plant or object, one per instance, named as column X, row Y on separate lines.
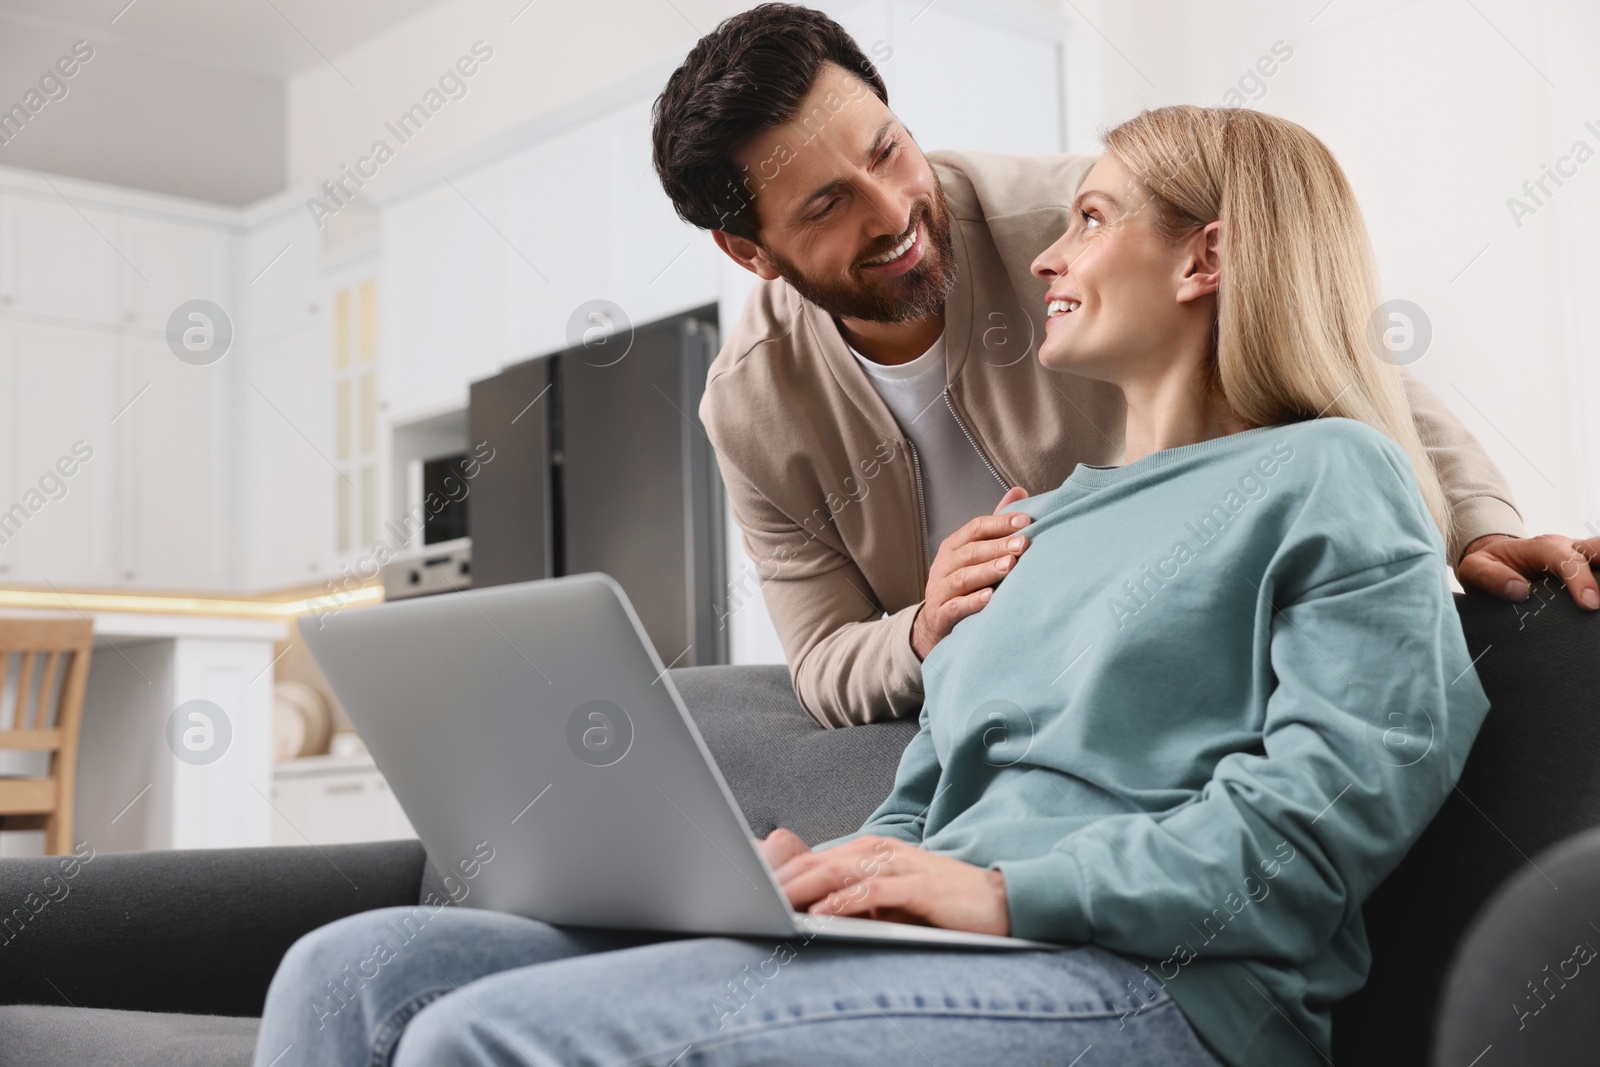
column 828, row 491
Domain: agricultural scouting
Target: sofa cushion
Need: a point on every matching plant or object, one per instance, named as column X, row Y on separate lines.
column 33, row 1034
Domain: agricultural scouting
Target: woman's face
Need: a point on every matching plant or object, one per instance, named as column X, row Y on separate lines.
column 1123, row 300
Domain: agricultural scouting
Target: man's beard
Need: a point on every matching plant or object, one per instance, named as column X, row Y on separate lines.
column 920, row 291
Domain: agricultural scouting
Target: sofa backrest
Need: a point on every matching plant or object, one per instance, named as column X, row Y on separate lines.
column 1533, row 778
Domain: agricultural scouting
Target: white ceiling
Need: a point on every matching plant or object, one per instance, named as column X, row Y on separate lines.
column 274, row 39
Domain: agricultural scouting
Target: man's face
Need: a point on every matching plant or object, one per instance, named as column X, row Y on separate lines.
column 850, row 212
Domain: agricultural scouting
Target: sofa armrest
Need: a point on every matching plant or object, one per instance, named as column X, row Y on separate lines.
column 198, row 931
column 1527, row 935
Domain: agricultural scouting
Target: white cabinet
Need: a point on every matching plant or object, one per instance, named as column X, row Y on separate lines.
column 134, row 791
column 360, row 429
column 170, row 263
column 58, row 259
column 659, row 265
column 86, row 293
column 174, row 461
column 116, row 462
column 88, row 264
column 59, row 445
column 278, row 276
column 444, row 288
column 330, row 800
column 286, row 430
column 556, row 217
column 284, row 413
column 589, row 221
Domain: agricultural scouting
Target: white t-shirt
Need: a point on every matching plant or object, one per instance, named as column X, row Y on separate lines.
column 957, row 484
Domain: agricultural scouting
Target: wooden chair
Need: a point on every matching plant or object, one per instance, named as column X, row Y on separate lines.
column 41, row 707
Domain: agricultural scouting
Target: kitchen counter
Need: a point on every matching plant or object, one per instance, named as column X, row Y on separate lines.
column 176, row 745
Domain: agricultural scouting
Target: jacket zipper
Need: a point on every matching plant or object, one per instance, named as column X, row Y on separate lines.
column 922, row 507
column 971, row 441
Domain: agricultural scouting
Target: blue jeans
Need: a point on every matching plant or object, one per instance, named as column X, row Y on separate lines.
column 452, row 987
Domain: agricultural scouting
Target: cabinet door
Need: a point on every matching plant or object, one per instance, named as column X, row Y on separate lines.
column 558, row 221
column 171, row 263
column 61, row 453
column 286, row 409
column 174, row 459
column 58, row 259
column 443, row 287
column 601, row 231
column 279, row 279
column 9, row 492
column 331, row 809
column 659, row 265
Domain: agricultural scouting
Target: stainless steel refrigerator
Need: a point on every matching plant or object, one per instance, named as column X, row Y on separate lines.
column 601, row 464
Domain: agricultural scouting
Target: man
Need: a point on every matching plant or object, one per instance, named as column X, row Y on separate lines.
column 881, row 390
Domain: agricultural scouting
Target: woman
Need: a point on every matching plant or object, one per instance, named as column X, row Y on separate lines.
column 1188, row 762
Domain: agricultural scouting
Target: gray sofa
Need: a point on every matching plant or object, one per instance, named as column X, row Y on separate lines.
column 164, row 958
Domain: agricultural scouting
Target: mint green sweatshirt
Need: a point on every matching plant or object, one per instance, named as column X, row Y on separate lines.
column 1218, row 698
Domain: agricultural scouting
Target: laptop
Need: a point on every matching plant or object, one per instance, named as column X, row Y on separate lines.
column 537, row 744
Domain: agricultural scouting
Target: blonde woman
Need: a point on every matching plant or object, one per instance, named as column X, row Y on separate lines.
column 1215, row 702
column 1226, row 688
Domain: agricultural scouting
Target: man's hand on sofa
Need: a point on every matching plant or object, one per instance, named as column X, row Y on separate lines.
column 969, row 564
column 1502, row 566
column 879, row 877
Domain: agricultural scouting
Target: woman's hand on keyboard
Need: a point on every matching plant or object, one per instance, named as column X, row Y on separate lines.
column 877, row 877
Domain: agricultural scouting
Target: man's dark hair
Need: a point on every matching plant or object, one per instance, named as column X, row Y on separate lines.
column 746, row 76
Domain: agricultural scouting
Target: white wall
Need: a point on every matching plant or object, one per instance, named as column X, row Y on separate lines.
column 1439, row 111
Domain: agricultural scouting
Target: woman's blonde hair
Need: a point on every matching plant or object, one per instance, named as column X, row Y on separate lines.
column 1299, row 288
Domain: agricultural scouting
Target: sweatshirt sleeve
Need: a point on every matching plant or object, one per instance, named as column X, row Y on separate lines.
column 1365, row 732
